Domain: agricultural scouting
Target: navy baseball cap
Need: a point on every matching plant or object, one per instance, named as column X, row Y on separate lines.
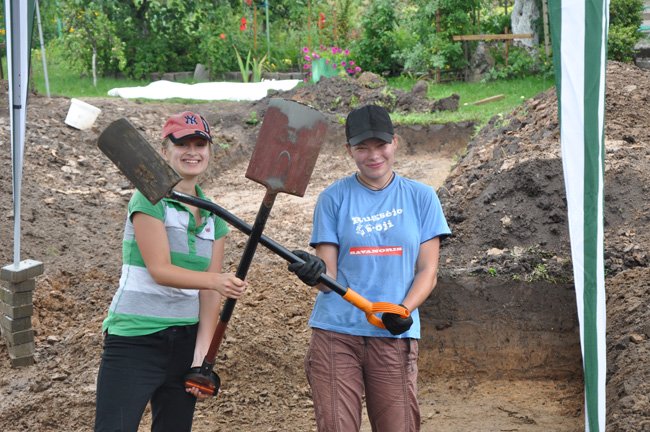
column 369, row 121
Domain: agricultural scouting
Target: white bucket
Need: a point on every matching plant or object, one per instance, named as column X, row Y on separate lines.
column 81, row 115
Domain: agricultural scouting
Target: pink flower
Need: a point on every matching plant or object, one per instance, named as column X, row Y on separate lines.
column 334, row 56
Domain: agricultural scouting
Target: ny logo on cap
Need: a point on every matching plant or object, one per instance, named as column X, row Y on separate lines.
column 190, row 119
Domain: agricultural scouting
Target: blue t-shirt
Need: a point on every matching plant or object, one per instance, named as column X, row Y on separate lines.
column 378, row 234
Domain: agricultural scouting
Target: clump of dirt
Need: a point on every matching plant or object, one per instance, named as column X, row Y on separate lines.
column 504, row 200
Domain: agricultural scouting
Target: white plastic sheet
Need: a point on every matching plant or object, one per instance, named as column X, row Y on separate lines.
column 232, row 91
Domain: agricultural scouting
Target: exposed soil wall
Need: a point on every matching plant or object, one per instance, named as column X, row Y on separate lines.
column 495, row 329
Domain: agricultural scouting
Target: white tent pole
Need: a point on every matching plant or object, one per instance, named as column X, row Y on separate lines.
column 16, row 23
column 40, row 35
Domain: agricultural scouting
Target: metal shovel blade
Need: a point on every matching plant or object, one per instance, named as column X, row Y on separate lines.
column 138, row 160
column 287, row 147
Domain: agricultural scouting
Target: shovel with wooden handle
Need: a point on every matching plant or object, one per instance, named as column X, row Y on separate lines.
column 150, row 173
column 283, row 160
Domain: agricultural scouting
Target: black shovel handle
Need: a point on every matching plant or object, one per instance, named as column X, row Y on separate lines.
column 203, row 378
column 245, row 228
column 242, row 271
column 369, row 308
column 256, row 237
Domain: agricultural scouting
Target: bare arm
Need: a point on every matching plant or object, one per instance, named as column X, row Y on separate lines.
column 426, row 274
column 152, row 241
column 329, row 253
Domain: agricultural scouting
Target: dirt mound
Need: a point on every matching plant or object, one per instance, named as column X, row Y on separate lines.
column 504, row 200
column 511, row 184
column 339, row 95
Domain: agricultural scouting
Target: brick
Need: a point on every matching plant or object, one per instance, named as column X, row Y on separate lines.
column 13, row 325
column 16, row 287
column 21, row 361
column 26, row 269
column 16, row 311
column 19, row 338
column 22, row 350
column 16, row 298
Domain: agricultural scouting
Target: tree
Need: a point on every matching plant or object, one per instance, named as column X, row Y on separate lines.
column 90, row 37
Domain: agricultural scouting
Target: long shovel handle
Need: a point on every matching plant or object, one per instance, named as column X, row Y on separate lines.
column 242, row 270
column 204, row 379
column 348, row 294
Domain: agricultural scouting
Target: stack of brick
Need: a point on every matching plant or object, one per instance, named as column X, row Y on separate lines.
column 17, row 308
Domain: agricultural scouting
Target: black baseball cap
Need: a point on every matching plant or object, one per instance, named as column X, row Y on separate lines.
column 369, row 121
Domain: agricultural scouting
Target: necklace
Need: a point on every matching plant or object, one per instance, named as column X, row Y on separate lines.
column 375, row 188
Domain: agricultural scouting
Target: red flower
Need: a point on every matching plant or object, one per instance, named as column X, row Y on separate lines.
column 321, row 20
column 222, row 36
column 249, row 2
column 242, row 27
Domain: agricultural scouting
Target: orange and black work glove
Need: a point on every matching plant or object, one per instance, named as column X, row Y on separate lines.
column 395, row 324
column 310, row 270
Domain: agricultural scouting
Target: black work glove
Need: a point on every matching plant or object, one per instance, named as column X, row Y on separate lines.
column 395, row 324
column 310, row 270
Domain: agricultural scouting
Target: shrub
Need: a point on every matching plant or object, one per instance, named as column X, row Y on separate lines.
column 495, row 23
column 625, row 13
column 621, row 42
column 521, row 63
column 433, row 24
column 376, row 48
column 625, row 19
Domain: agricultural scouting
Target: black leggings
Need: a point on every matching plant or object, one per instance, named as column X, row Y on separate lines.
column 137, row 369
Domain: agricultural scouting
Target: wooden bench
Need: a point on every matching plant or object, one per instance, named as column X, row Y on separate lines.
column 506, row 37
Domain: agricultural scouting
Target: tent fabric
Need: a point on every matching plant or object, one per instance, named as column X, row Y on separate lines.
column 579, row 33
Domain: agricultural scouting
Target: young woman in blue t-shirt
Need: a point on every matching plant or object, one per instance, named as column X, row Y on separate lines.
column 379, row 234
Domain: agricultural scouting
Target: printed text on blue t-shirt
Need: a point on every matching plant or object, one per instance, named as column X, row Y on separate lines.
column 375, row 223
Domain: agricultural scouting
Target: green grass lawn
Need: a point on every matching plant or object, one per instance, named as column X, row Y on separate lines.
column 65, row 83
column 514, row 92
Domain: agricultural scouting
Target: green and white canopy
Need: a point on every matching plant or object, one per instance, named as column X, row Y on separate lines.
column 579, row 35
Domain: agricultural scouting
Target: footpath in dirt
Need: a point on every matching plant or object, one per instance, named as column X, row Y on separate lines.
column 505, row 273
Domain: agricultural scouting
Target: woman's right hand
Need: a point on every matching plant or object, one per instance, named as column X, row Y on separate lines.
column 228, row 285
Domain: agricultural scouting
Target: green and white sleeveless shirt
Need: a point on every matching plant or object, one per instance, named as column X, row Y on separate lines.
column 141, row 306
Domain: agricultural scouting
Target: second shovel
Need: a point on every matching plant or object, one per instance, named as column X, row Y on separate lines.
column 284, row 157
